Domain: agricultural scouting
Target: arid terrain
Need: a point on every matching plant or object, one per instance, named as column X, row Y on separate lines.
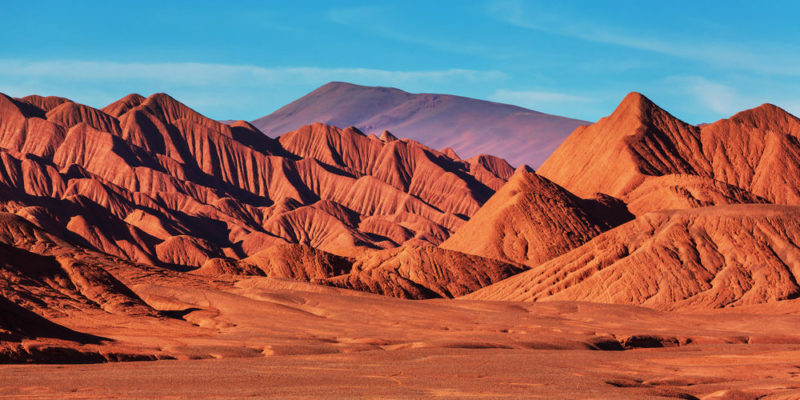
column 272, row 337
column 148, row 251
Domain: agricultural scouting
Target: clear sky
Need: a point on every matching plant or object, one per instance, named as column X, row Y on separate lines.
column 701, row 60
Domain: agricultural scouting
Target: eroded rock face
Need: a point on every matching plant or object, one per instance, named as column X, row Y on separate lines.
column 49, row 276
column 674, row 192
column 706, row 258
column 422, row 272
column 756, row 151
column 151, row 180
column 410, row 272
column 530, row 220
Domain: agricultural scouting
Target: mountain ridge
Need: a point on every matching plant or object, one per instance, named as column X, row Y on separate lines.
column 715, row 209
column 146, row 216
column 148, row 180
column 468, row 126
column 640, row 141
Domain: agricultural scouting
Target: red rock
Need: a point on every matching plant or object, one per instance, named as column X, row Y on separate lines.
column 754, row 150
column 44, row 103
column 707, row 257
column 421, row 272
column 528, row 221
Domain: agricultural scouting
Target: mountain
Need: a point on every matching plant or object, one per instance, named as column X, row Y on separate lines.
column 146, row 231
column 716, row 217
column 756, row 151
column 531, row 220
column 409, row 272
column 148, row 181
column 708, row 257
column 468, row 127
column 153, row 181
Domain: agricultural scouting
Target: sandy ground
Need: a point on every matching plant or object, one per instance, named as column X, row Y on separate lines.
column 264, row 337
column 430, row 373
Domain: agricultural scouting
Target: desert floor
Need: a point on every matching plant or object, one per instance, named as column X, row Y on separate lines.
column 262, row 337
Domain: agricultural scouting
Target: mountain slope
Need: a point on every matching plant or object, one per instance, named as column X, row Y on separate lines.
column 693, row 244
column 422, row 272
column 149, row 181
column 153, row 181
column 706, row 257
column 529, row 220
column 410, row 272
column 50, row 276
column 467, row 126
column 756, row 150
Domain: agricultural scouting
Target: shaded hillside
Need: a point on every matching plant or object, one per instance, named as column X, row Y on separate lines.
column 755, row 151
column 152, row 181
column 50, row 276
column 706, row 258
column 531, row 220
column 411, row 272
column 468, row 127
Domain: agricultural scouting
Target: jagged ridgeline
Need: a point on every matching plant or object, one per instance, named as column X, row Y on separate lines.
column 150, row 181
column 153, row 183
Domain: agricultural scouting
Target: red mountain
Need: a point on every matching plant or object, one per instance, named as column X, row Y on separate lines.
column 466, row 126
column 146, row 231
column 151, row 181
column 692, row 244
column 755, row 150
column 531, row 220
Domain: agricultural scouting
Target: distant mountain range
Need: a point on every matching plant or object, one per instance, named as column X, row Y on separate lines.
column 469, row 126
column 151, row 181
column 100, row 207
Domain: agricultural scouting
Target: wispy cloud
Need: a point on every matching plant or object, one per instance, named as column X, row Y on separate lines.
column 535, row 98
column 717, row 97
column 222, row 74
column 377, row 20
column 765, row 58
column 572, row 105
column 219, row 90
column 723, row 99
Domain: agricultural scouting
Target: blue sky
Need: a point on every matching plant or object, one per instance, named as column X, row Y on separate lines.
column 700, row 60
